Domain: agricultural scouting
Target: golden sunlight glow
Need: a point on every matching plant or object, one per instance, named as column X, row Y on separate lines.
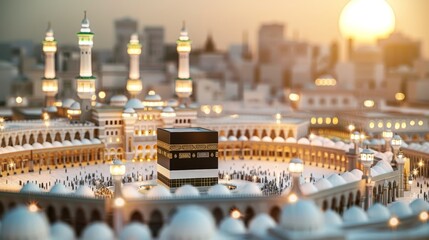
column 369, row 103
column 399, row 96
column 367, row 20
column 293, row 97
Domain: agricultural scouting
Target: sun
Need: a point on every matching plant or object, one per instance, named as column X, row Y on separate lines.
column 367, row 20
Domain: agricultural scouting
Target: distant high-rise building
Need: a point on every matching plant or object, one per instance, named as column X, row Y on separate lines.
column 124, row 28
column 270, row 37
column 153, row 43
column 334, row 53
column 399, row 50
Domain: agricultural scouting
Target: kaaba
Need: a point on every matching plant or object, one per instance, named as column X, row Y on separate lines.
column 187, row 156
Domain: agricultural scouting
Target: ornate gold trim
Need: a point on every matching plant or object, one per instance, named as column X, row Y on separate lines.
column 187, row 147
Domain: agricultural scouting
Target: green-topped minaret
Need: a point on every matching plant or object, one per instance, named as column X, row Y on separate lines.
column 85, row 82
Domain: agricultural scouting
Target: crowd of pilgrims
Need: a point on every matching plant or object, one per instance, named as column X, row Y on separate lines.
column 95, row 180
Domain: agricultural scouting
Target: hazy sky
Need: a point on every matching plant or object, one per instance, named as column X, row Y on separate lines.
column 314, row 20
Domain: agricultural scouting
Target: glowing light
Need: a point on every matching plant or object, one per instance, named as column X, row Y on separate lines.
column 319, row 120
column 33, row 207
column 380, row 125
column 217, row 109
column 294, row 97
column 18, row 100
column 206, row 109
column 313, row 120
column 412, row 123
column 388, row 124
column 101, row 94
column 367, row 20
column 420, row 123
column 292, row 198
column 421, row 163
column 119, row 202
column 328, row 120
column 397, row 125
column 325, row 81
column 393, row 222
column 335, row 120
column 351, row 127
column 403, row 125
column 369, row 103
column 371, row 125
column 423, row 216
column 94, row 97
column 235, row 214
column 400, row 96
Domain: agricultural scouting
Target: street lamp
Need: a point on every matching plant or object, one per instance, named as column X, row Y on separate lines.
column 296, row 167
column 351, row 127
column 367, row 158
column 396, row 143
column 410, row 181
column 387, row 136
column 117, row 170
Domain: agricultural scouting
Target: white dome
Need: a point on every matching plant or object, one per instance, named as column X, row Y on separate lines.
column 378, row 212
column 59, row 188
column 374, row 172
column 86, row 141
column 47, row 145
column 218, row 190
column 134, row 103
column 21, row 224
column 62, row 231
column 67, row 143
column 152, row 97
column 168, row 109
column 323, row 184
column 308, row 188
column 27, row 146
column 255, row 139
column 385, row 165
column 349, row 177
column 358, row 173
column 302, row 215
column 400, row 209
column 243, row 138
column 37, row 145
column 290, row 140
column 232, row 226
column 222, row 139
column 98, row 230
column 131, row 192
column 118, row 100
column 67, row 103
column 129, row 110
column 303, row 141
column 187, row 191
column 316, row 142
column 18, row 148
column 259, row 225
column 30, row 188
column 57, row 144
column 84, row 191
column 279, row 139
column 379, row 169
column 232, row 138
column 419, row 205
column 75, row 106
column 336, row 180
column 339, row 144
column 158, row 192
column 95, row 141
column 52, row 109
column 332, row 219
column 76, row 142
column 191, row 223
column 266, row 139
column 250, row 189
column 135, row 231
column 355, row 215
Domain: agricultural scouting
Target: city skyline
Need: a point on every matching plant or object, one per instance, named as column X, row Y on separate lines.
column 236, row 19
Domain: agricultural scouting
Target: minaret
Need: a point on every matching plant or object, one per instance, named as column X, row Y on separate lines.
column 134, row 84
column 85, row 81
column 49, row 81
column 184, row 81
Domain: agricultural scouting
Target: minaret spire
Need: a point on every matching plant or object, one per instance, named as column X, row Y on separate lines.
column 85, row 81
column 134, row 84
column 49, row 80
column 183, row 82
